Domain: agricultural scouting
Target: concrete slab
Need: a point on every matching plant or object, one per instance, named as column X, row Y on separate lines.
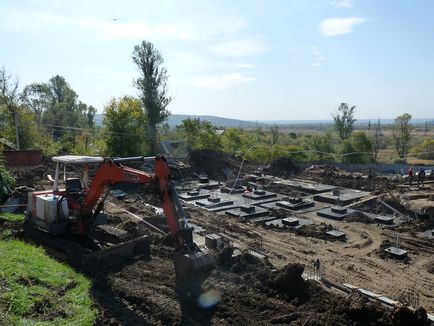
column 341, row 196
column 247, row 212
column 310, row 187
column 262, row 219
column 279, row 223
column 214, row 202
column 259, row 194
column 397, row 252
column 194, row 195
column 238, row 190
column 388, row 220
column 295, row 203
column 336, row 234
column 291, row 221
column 335, row 213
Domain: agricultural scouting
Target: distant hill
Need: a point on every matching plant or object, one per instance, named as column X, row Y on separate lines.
column 176, row 119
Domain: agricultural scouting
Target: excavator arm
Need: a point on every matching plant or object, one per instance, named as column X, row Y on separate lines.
column 192, row 266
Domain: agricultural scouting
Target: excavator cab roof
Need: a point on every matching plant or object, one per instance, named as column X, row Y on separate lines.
column 74, row 159
column 77, row 159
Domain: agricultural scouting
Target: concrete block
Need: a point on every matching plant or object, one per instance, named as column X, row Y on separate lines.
column 339, row 210
column 336, row 234
column 397, row 252
column 259, row 192
column 247, row 209
column 259, row 195
column 290, row 221
column 384, row 219
column 333, row 214
column 214, row 199
column 193, row 193
column 213, row 241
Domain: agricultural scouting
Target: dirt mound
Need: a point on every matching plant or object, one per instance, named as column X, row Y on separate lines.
column 358, row 217
column 289, row 281
column 283, row 167
column 216, row 165
column 332, row 175
column 404, row 316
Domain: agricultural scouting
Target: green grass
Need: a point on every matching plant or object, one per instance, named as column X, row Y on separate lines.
column 12, row 217
column 37, row 290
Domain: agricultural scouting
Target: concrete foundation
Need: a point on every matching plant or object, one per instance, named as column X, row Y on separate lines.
column 295, row 203
column 341, row 196
column 280, row 224
column 397, row 252
column 237, row 190
column 291, row 221
column 194, row 195
column 310, row 187
column 335, row 213
column 336, row 234
column 388, row 220
column 262, row 219
column 214, row 202
column 259, row 195
column 248, row 212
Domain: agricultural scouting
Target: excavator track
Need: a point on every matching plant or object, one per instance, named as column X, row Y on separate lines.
column 69, row 248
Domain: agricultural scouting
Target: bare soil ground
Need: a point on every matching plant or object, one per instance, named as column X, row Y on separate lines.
column 262, row 292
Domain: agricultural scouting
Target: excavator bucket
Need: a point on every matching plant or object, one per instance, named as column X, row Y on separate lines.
column 192, row 269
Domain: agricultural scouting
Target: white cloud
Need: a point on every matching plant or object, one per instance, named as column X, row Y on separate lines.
column 239, row 48
column 245, row 65
column 343, row 3
column 222, row 82
column 339, row 26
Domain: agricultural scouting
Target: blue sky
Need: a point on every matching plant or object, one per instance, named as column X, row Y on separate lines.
column 253, row 60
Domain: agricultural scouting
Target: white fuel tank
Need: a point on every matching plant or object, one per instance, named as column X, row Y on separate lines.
column 46, row 208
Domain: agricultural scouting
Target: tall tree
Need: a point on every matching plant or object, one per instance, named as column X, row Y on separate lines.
column 199, row 134
column 124, row 123
column 402, row 134
column 152, row 85
column 344, row 121
column 274, row 129
column 8, row 100
column 378, row 139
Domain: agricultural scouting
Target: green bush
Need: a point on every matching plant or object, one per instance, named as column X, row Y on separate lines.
column 7, row 181
column 425, row 150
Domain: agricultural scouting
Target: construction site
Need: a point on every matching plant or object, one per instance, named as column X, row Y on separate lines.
column 288, row 245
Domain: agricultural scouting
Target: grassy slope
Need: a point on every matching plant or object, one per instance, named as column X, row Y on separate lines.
column 37, row 290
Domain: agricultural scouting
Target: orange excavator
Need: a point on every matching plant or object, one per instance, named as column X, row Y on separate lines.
column 71, row 219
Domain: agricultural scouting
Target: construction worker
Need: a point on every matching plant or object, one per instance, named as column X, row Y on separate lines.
column 420, row 177
column 410, row 176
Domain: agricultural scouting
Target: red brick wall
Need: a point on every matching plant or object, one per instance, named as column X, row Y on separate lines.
column 23, row 158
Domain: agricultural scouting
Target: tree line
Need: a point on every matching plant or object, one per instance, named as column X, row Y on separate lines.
column 51, row 117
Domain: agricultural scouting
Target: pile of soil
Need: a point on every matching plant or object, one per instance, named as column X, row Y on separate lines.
column 332, row 175
column 248, row 291
column 213, row 163
column 358, row 217
column 283, row 167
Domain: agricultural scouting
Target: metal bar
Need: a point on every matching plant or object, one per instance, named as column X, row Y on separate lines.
column 140, row 219
column 16, row 205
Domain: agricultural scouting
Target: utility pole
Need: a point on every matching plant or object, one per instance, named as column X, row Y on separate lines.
column 17, row 136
